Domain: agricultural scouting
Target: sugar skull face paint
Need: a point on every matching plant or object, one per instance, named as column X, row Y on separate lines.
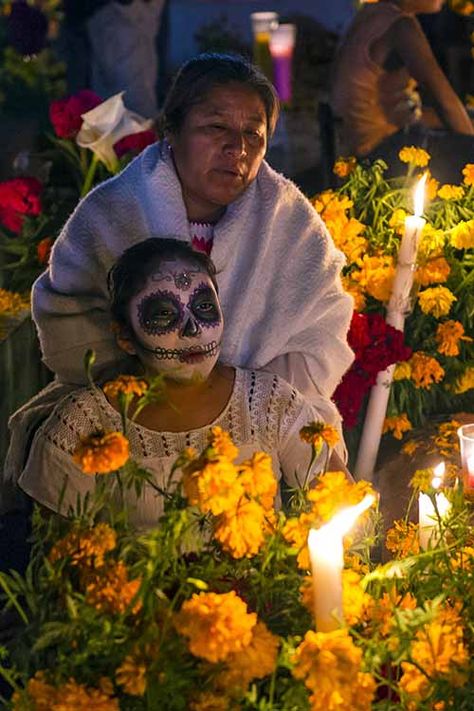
column 177, row 322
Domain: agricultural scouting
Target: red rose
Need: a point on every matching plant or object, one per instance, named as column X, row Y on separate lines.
column 358, row 336
column 66, row 114
column 43, row 250
column 19, row 197
column 134, row 143
column 349, row 396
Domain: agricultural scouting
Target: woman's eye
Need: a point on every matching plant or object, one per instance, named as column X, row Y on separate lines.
column 156, row 314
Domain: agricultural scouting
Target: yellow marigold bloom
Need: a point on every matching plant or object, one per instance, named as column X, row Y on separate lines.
column 330, row 666
column 344, row 166
column 402, row 539
column 415, row 156
column 258, row 480
column 242, row 531
column 255, row 661
column 207, row 701
column 397, row 425
column 468, row 173
column 346, row 233
column 438, row 652
column 355, row 291
column 462, row 235
column 432, row 243
column 447, row 441
column 319, row 433
column 126, row 384
column 215, row 488
column 333, row 492
column 110, row 590
column 382, row 609
column 295, row 532
column 71, row 696
column 222, row 444
column 436, row 301
column 216, row 625
column 425, row 370
column 451, row 192
column 131, row 676
column 431, row 187
column 402, row 371
column 375, row 275
column 448, row 335
column 434, row 271
column 102, row 453
column 421, row 479
column 465, row 382
column 397, row 220
column 330, row 206
column 86, row 547
column 463, row 559
column 410, row 447
column 12, row 303
column 39, row 695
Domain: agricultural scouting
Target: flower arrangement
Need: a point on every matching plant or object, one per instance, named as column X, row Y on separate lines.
column 435, row 356
column 213, row 609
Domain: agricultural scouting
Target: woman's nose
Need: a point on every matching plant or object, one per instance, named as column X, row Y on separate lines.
column 190, row 327
column 235, row 143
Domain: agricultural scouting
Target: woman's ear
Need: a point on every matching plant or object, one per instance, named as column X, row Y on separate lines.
column 124, row 338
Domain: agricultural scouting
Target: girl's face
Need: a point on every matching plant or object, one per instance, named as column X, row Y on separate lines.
column 177, row 322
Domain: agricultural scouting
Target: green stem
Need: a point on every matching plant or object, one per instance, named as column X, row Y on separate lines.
column 13, row 599
column 89, row 176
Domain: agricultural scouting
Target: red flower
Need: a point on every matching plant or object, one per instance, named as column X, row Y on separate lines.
column 134, row 143
column 66, row 114
column 19, row 197
column 349, row 395
column 43, row 250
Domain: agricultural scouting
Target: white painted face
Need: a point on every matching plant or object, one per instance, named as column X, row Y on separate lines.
column 177, row 321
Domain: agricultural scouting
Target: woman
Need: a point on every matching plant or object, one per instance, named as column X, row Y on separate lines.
column 382, row 59
column 278, row 270
column 169, row 320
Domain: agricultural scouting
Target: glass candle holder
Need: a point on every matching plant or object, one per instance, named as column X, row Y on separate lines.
column 263, row 24
column 282, row 44
column 466, row 441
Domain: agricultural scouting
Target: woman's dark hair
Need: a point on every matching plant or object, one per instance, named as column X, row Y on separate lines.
column 199, row 75
column 134, row 266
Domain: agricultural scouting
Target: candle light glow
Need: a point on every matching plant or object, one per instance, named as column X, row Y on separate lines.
column 427, row 516
column 466, row 441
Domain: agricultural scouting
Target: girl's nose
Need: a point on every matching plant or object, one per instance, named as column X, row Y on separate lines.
column 190, row 327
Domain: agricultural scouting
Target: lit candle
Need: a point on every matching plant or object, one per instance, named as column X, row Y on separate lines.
column 427, row 516
column 326, row 552
column 466, row 441
column 398, row 307
column 263, row 23
column 282, row 43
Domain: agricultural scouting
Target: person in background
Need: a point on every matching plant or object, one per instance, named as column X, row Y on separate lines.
column 382, row 62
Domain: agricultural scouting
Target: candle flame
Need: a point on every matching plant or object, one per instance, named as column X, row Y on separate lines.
column 419, row 197
column 343, row 521
column 438, row 473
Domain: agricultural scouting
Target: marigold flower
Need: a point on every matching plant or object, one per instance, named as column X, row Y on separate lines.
column 434, row 271
column 397, row 220
column 436, row 301
column 255, row 661
column 402, row 371
column 110, row 590
column 431, row 187
column 382, row 610
column 432, row 243
column 344, row 166
column 222, row 444
column 85, row 547
column 462, row 235
column 215, row 488
column 416, row 156
column 241, row 532
column 38, row 695
column 448, row 335
column 375, row 275
column 126, row 384
column 402, row 539
column 347, row 235
column 208, row 701
column 446, row 440
column 102, row 453
column 131, row 676
column 331, row 206
column 465, row 382
column 468, row 173
column 330, row 665
column 354, row 290
column 397, row 425
column 258, row 480
column 319, row 433
column 12, row 303
column 67, row 697
column 425, row 370
column 355, row 601
column 333, row 492
column 216, row 625
column 410, row 447
column 451, row 192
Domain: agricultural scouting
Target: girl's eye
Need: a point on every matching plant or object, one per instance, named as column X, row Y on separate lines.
column 204, row 306
column 159, row 313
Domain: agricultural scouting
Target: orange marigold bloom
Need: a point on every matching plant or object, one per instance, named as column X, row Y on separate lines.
column 451, row 192
column 102, row 453
column 257, row 477
column 111, row 591
column 462, row 235
column 375, row 275
column 215, row 487
column 131, row 675
column 415, row 156
column 410, row 447
column 468, row 173
column 347, row 235
column 425, row 370
column 431, row 187
column 318, row 433
column 381, row 610
column 216, row 625
column 397, row 425
column 222, row 444
column 241, row 532
column 436, row 301
column 448, row 335
column 344, row 166
column 86, row 547
column 70, row 696
column 126, row 384
column 434, row 271
column 402, row 539
column 465, row 381
column 208, row 701
column 12, row 303
column 355, row 291
column 38, row 695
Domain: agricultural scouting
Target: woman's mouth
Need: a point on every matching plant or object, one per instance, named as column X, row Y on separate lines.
column 193, row 354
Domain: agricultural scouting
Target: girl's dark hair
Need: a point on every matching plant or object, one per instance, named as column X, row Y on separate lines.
column 134, row 266
column 199, row 75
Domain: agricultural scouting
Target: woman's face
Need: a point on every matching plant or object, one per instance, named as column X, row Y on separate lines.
column 220, row 148
column 177, row 321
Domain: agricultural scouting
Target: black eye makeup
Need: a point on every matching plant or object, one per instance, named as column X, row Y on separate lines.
column 160, row 312
column 203, row 304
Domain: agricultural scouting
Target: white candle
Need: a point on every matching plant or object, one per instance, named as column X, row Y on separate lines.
column 466, row 440
column 326, row 552
column 427, row 517
column 398, row 306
